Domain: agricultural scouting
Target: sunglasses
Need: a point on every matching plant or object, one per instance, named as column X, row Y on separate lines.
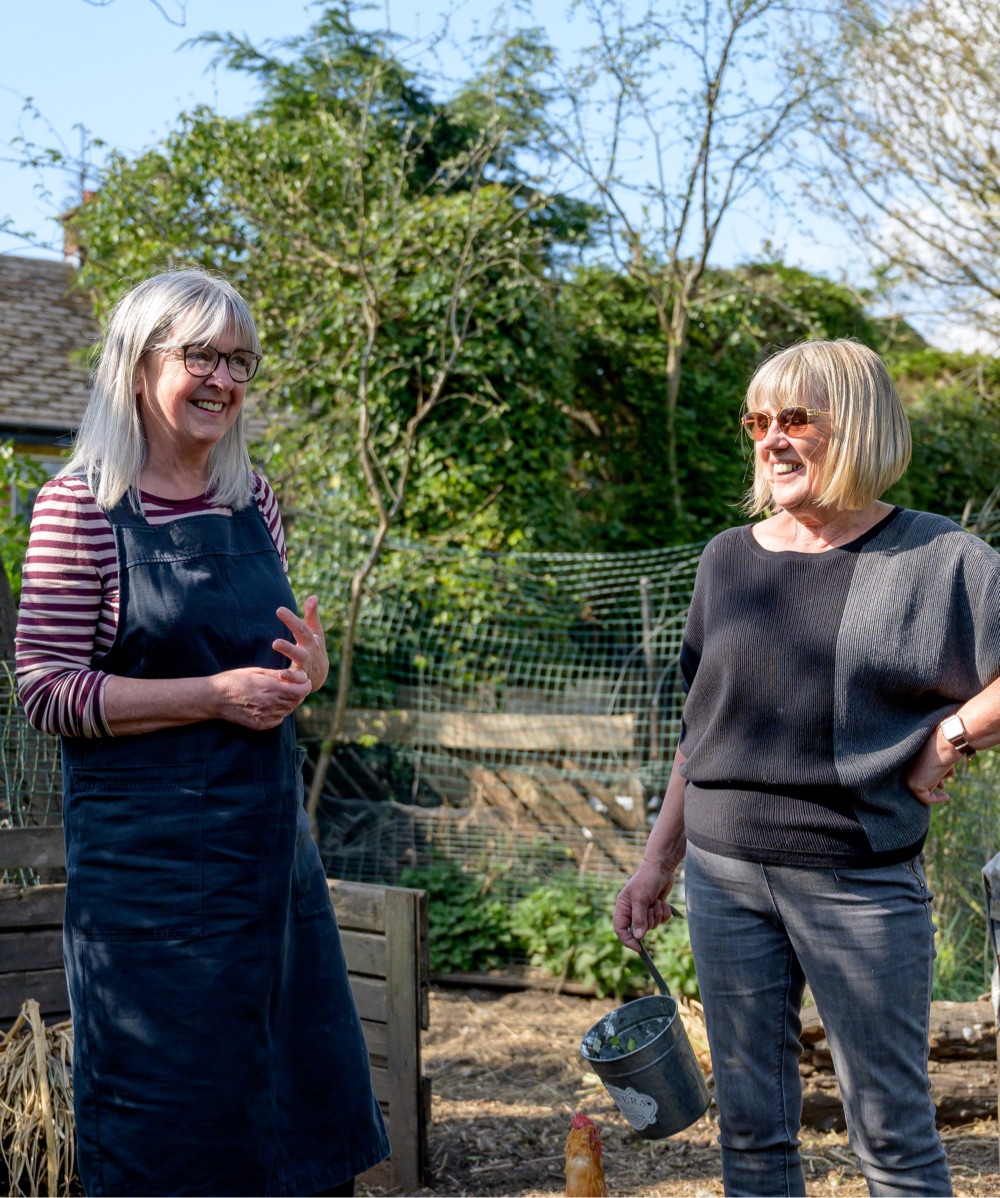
column 793, row 422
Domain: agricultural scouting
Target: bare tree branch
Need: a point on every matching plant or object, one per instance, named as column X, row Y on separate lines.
column 181, row 4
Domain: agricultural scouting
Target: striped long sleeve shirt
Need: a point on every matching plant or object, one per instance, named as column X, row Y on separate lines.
column 69, row 601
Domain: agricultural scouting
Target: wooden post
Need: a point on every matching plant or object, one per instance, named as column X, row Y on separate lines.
column 645, row 587
column 8, row 617
column 402, row 946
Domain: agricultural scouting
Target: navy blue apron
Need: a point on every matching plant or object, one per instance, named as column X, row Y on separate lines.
column 217, row 1047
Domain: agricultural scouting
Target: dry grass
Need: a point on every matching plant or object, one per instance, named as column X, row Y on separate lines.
column 36, row 1105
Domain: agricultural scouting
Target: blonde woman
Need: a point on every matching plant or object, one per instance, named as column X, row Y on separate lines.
column 217, row 1046
column 841, row 659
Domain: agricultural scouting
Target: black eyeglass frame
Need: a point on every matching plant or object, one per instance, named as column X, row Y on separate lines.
column 788, row 420
column 219, row 355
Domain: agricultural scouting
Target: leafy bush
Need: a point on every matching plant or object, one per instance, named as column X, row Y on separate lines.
column 18, row 476
column 469, row 931
column 567, row 930
column 964, row 835
column 562, row 927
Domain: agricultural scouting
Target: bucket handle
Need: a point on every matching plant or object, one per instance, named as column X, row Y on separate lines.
column 647, row 960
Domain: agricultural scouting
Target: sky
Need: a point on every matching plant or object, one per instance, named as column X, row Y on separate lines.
column 119, row 69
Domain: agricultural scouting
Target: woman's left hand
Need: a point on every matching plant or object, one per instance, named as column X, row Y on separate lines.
column 308, row 653
column 929, row 770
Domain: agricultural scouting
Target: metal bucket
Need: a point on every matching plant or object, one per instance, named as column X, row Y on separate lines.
column 659, row 1086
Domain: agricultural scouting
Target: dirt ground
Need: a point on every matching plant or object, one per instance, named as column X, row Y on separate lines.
column 508, row 1077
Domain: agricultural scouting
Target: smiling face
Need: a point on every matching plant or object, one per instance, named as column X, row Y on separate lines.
column 794, row 467
column 185, row 417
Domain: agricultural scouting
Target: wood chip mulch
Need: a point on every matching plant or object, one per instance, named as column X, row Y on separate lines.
column 508, row 1078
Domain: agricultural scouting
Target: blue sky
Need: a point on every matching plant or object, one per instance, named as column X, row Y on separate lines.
column 119, row 70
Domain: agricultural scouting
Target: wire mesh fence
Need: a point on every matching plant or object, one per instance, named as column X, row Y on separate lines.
column 31, row 791
column 535, row 695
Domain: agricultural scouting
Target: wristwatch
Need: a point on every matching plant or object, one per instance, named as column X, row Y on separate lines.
column 953, row 730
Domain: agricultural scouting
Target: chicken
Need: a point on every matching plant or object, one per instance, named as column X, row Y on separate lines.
column 584, row 1172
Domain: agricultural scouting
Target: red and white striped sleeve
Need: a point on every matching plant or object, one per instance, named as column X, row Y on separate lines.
column 268, row 504
column 68, row 612
column 69, row 600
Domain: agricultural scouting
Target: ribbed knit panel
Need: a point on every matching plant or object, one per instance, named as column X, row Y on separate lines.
column 814, row 678
column 920, row 635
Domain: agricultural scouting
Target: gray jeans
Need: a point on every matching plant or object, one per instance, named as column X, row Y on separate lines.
column 864, row 939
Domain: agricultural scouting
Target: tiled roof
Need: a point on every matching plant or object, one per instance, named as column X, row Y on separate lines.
column 42, row 320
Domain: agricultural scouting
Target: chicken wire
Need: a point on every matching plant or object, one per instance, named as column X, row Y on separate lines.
column 31, row 794
column 545, row 683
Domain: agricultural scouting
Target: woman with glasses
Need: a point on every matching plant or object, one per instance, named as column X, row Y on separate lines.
column 841, row 658
column 217, row 1048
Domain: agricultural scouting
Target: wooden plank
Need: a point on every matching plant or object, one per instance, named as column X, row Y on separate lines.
column 624, row 855
column 377, row 1179
column 402, row 925
column 382, row 1084
column 376, row 1037
column 372, row 998
column 48, row 986
column 545, row 810
column 480, row 730
column 490, row 789
column 359, row 907
column 41, row 848
column 32, row 906
column 365, row 953
column 425, row 962
column 21, row 951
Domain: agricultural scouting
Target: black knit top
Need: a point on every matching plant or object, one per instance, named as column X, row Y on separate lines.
column 791, row 721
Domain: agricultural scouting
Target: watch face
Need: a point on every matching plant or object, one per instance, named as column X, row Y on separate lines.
column 952, row 728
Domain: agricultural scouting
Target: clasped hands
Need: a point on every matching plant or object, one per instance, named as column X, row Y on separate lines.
column 261, row 698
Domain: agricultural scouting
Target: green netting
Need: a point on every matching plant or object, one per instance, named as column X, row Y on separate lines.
column 30, row 779
column 535, row 694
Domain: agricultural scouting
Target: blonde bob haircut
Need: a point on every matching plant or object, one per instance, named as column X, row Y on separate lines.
column 187, row 307
column 870, row 443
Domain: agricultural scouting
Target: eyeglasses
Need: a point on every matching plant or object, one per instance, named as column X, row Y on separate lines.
column 201, row 361
column 793, row 422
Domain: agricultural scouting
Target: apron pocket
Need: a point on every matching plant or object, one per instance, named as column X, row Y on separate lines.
column 134, row 852
column 312, row 894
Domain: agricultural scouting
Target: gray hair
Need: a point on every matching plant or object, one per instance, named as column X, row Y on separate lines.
column 110, row 447
column 870, row 441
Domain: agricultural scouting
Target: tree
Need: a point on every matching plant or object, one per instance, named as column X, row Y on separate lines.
column 742, row 315
column 911, row 127
column 397, row 257
column 181, row 5
column 682, row 92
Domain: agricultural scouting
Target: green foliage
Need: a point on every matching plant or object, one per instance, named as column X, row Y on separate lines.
column 18, row 476
column 566, row 929
column 964, row 835
column 953, row 401
column 562, row 927
column 619, row 386
column 469, row 930
column 397, row 259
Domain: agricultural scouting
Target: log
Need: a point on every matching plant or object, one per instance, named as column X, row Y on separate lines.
column 959, row 1031
column 962, row 1068
column 962, row 1091
column 476, row 730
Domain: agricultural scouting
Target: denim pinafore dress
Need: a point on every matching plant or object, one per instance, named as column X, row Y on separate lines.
column 217, row 1047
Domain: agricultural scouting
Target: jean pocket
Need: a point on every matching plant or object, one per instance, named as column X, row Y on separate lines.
column 134, row 852
column 915, row 867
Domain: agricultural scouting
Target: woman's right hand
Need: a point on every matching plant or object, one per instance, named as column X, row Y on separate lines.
column 642, row 904
column 257, row 698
